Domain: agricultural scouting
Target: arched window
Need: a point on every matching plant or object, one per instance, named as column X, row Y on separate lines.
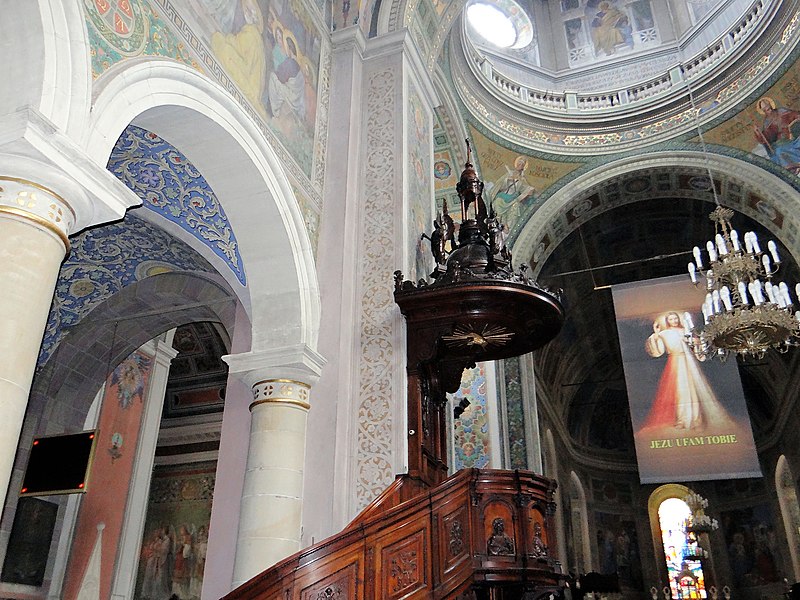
column 790, row 510
column 683, row 554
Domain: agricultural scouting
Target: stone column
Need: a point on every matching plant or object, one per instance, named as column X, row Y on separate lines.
column 34, row 224
column 270, row 515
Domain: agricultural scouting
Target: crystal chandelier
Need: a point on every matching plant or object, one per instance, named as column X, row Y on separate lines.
column 744, row 311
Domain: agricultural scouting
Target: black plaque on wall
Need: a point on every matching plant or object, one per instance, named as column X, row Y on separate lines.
column 58, row 464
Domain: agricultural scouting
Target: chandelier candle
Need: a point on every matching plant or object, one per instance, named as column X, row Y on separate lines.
column 745, row 312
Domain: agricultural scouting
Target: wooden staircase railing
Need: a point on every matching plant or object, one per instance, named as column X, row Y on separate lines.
column 481, row 534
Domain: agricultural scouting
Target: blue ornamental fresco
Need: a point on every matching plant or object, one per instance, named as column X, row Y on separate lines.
column 171, row 186
column 103, row 261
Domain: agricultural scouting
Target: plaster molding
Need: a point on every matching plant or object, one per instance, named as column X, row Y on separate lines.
column 32, row 148
column 299, row 363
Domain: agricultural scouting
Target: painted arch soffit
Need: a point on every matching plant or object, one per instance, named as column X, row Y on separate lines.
column 106, row 259
column 170, row 186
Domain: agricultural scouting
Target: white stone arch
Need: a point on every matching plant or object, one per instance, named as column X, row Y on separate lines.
column 46, row 62
column 214, row 132
column 580, row 523
column 790, row 510
column 748, row 176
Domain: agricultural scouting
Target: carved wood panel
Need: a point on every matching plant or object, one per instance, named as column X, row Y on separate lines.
column 341, row 585
column 499, row 529
column 454, row 543
column 404, row 566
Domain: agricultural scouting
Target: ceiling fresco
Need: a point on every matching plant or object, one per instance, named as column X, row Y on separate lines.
column 548, row 123
column 103, row 261
column 172, row 187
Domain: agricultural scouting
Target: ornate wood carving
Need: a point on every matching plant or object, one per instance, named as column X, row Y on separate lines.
column 539, row 549
column 456, row 544
column 332, row 593
column 442, row 547
column 403, row 571
column 499, row 543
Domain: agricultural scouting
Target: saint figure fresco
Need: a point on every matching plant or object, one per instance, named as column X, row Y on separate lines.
column 779, row 134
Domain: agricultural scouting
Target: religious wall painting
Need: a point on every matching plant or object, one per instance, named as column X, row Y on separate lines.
column 610, row 27
column 689, row 416
column 118, row 432
column 445, row 171
column 271, row 51
column 345, row 13
column 766, row 209
column 514, row 181
column 769, row 127
column 175, row 541
column 471, row 430
column 617, row 547
column 754, row 552
column 607, row 491
column 597, row 29
column 29, row 542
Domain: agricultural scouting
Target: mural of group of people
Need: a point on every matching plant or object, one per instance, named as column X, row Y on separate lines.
column 271, row 50
column 752, row 546
column 618, row 549
column 174, row 559
column 175, row 542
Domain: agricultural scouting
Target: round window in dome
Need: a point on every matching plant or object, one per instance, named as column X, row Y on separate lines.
column 502, row 23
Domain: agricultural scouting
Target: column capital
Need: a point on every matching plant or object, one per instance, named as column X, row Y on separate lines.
column 34, row 150
column 298, row 364
column 31, row 201
column 349, row 38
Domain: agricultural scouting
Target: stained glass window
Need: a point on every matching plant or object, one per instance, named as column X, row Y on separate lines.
column 683, row 553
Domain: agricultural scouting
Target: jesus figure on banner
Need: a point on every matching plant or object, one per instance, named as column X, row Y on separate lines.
column 684, row 398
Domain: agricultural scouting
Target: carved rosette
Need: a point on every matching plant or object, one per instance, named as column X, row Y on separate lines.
column 333, row 592
column 23, row 199
column 281, row 391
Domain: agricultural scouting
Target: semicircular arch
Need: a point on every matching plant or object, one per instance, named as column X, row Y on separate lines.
column 763, row 196
column 247, row 175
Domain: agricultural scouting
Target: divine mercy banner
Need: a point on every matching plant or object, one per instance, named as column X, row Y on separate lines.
column 689, row 417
